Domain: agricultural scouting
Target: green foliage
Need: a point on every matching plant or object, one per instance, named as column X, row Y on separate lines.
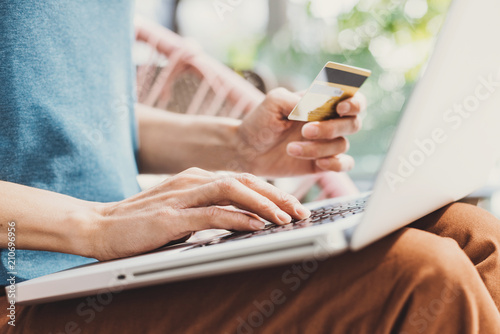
column 379, row 35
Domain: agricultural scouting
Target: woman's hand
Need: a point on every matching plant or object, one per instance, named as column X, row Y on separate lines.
column 188, row 202
column 273, row 146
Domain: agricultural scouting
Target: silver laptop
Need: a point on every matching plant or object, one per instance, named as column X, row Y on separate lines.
column 444, row 149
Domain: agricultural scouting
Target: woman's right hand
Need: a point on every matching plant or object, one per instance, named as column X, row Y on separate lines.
column 188, row 202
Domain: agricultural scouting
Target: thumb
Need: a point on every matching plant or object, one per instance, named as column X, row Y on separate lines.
column 282, row 100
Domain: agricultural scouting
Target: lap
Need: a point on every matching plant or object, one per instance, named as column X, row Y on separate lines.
column 353, row 290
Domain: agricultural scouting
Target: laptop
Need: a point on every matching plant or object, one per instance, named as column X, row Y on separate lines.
column 444, row 148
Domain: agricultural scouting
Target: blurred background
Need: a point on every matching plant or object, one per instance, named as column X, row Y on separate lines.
column 287, row 42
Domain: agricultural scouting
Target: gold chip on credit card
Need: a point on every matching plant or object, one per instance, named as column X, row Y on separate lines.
column 334, row 84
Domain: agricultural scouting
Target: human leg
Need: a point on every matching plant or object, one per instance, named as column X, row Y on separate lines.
column 410, row 282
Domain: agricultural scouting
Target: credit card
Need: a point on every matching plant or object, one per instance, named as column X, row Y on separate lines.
column 334, row 84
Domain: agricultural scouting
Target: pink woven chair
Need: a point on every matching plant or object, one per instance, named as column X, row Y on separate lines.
column 178, row 77
column 225, row 91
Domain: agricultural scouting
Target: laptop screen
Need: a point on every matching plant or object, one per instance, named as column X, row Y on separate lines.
column 446, row 142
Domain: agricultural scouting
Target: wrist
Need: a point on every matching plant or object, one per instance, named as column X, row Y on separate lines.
column 83, row 226
column 248, row 149
column 217, row 144
column 242, row 153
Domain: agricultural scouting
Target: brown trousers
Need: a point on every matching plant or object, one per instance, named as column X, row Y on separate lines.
column 440, row 275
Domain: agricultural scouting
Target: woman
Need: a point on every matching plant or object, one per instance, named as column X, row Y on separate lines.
column 72, row 143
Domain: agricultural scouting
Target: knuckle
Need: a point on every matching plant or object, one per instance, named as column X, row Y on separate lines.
column 181, row 180
column 287, row 199
column 197, row 171
column 226, row 185
column 311, row 150
column 212, row 213
column 239, row 221
column 266, row 206
column 247, row 178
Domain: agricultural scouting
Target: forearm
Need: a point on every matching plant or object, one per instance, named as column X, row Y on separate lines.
column 184, row 203
column 170, row 142
column 44, row 220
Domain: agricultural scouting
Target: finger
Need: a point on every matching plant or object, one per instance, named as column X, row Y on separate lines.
column 229, row 191
column 198, row 219
column 282, row 199
column 283, row 99
column 301, row 93
column 332, row 129
column 352, row 106
column 339, row 163
column 318, row 149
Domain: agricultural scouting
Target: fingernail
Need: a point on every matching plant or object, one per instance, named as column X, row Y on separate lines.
column 323, row 164
column 311, row 130
column 295, row 149
column 346, row 164
column 283, row 217
column 257, row 224
column 303, row 212
column 343, row 108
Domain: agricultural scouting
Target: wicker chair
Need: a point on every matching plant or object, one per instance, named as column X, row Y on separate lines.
column 179, row 77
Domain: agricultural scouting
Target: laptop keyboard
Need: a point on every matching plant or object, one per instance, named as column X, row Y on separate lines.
column 323, row 215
